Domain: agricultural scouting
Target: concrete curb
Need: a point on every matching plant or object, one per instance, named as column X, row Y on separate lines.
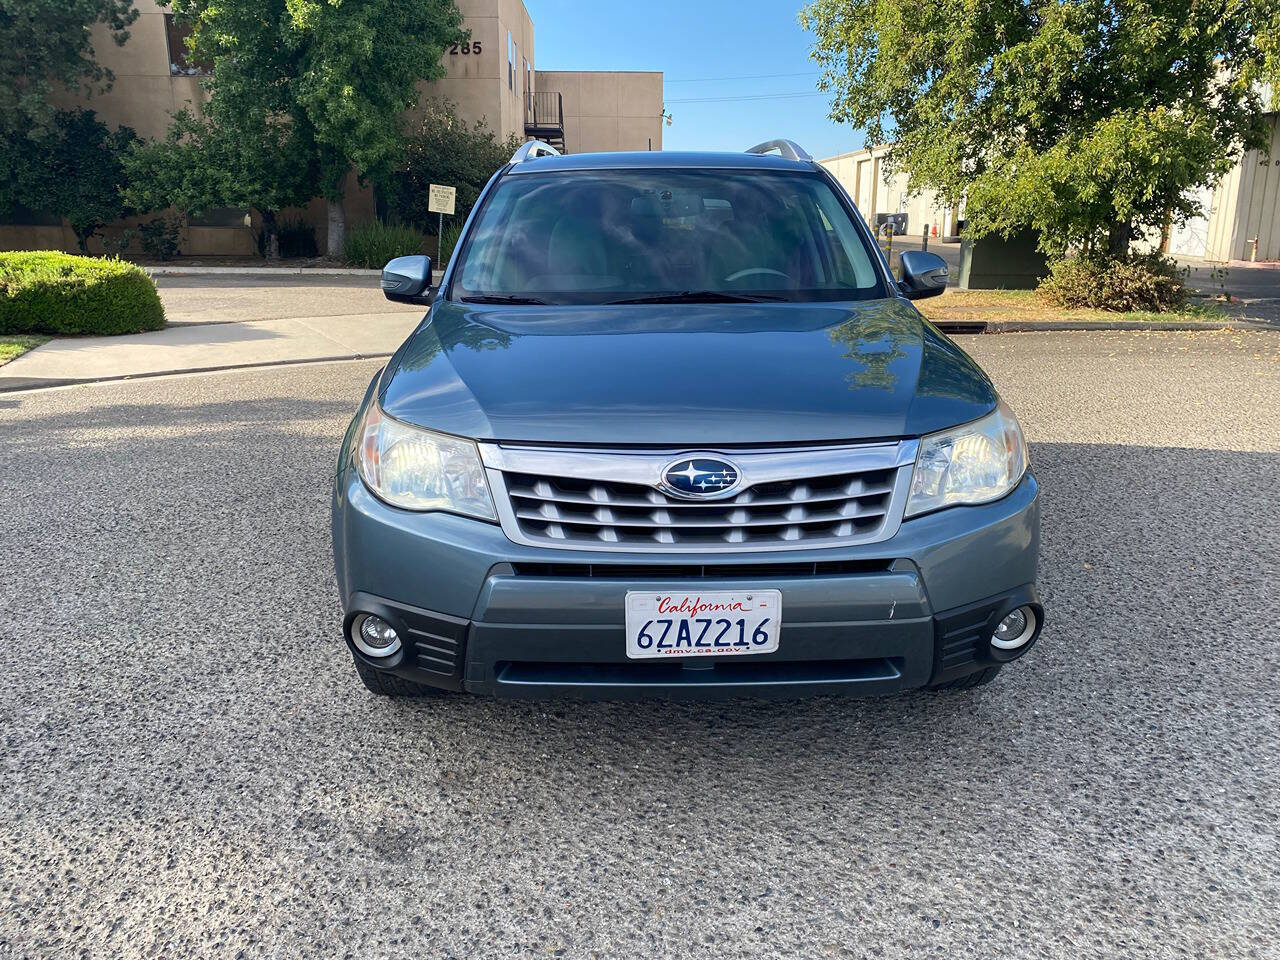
column 24, row 384
column 180, row 271
column 1059, row 326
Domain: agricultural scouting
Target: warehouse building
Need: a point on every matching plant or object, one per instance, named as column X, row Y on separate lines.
column 885, row 199
column 492, row 77
column 1240, row 219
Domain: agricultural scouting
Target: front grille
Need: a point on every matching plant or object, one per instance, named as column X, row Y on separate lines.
column 569, row 511
column 706, row 674
column 701, row 571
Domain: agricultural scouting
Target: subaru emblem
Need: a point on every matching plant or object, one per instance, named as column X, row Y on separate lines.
column 701, row 477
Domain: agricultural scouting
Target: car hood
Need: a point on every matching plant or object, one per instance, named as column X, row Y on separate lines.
column 683, row 375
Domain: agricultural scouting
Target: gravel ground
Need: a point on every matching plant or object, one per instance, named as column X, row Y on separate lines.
column 192, row 770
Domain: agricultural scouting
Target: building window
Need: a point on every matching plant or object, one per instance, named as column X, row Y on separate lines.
column 180, row 62
column 20, row 216
column 511, row 62
column 220, row 217
column 528, row 77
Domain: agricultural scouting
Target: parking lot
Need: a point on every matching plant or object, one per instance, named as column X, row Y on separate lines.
column 191, row 768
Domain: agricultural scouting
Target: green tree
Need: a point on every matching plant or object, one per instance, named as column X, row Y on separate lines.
column 45, row 46
column 444, row 148
column 262, row 162
column 74, row 170
column 340, row 74
column 1088, row 120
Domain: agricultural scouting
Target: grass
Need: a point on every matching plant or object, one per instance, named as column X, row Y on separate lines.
column 1023, row 306
column 15, row 345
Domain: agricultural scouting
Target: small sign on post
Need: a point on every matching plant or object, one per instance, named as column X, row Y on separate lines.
column 441, row 200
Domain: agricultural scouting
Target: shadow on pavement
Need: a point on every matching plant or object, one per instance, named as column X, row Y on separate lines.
column 191, row 693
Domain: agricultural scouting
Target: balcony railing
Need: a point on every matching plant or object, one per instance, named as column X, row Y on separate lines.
column 544, row 114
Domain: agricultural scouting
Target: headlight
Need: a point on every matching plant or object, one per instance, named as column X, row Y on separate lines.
column 974, row 463
column 418, row 469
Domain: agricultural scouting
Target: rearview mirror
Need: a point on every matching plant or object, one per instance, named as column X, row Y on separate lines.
column 407, row 280
column 923, row 274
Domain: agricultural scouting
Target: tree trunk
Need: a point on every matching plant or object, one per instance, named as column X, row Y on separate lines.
column 1118, row 239
column 337, row 229
column 270, row 235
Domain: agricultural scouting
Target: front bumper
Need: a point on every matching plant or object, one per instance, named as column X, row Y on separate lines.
column 485, row 615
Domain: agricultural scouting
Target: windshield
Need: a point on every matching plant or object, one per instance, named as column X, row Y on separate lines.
column 649, row 235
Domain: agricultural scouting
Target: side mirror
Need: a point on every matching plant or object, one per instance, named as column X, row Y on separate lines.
column 407, row 280
column 923, row 274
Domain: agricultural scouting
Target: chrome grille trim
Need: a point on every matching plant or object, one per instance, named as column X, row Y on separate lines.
column 609, row 500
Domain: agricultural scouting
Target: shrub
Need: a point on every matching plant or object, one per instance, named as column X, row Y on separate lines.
column 1149, row 283
column 57, row 293
column 373, row 244
column 160, row 237
column 448, row 241
column 297, row 239
column 443, row 148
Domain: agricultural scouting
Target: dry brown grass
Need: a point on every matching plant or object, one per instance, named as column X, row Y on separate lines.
column 1023, row 306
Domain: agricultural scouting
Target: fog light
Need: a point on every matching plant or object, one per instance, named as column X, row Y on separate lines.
column 375, row 637
column 1015, row 629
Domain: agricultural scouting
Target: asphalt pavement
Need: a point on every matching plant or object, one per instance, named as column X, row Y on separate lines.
column 191, row 769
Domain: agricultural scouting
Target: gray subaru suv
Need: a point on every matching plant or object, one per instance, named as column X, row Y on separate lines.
column 671, row 427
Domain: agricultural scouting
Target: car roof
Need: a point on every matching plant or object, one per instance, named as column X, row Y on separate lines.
column 660, row 159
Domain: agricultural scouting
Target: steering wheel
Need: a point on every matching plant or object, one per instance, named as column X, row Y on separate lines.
column 756, row 272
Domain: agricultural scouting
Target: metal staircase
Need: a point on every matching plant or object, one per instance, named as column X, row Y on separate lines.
column 544, row 117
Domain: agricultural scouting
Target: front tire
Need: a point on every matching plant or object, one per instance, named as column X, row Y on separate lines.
column 970, row 680
column 389, row 685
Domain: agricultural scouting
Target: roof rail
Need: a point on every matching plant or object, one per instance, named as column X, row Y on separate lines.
column 788, row 148
column 532, row 149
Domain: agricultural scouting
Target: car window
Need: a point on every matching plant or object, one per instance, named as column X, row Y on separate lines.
column 595, row 237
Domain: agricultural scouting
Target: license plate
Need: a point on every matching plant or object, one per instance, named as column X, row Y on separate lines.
column 674, row 624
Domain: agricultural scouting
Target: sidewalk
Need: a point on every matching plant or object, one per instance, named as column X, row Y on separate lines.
column 195, row 347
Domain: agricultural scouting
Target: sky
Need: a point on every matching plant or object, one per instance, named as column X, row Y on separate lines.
column 708, row 52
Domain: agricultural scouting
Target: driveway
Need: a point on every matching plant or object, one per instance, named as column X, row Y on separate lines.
column 1255, row 287
column 950, row 252
column 251, row 298
column 191, row 768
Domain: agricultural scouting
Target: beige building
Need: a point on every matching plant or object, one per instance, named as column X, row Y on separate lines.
column 491, row 77
column 494, row 76
column 605, row 111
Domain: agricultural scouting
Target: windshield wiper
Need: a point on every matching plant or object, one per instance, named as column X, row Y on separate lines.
column 502, row 298
column 701, row 296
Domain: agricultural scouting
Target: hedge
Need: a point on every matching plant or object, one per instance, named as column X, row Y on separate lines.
column 57, row 293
